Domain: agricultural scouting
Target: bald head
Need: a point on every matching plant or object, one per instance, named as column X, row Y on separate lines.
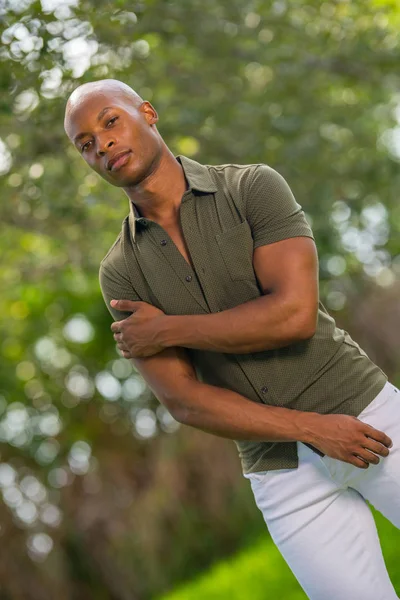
column 114, row 130
column 107, row 88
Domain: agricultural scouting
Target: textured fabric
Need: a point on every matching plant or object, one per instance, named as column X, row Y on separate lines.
column 319, row 519
column 227, row 211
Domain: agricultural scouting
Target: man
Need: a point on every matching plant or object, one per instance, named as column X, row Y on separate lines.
column 213, row 285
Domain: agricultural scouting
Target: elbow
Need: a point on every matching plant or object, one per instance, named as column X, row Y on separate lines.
column 306, row 334
column 175, row 409
column 181, row 415
column 177, row 401
column 306, row 326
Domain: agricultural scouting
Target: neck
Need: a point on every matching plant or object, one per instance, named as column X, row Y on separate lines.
column 159, row 196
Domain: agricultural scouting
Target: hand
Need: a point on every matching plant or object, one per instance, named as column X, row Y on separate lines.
column 136, row 336
column 347, row 438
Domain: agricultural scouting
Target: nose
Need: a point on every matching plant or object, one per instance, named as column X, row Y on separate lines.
column 103, row 147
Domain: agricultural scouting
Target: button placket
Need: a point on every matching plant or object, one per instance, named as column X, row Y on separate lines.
column 195, row 240
column 188, row 277
column 177, row 262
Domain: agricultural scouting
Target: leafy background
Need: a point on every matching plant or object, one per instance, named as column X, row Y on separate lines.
column 104, row 495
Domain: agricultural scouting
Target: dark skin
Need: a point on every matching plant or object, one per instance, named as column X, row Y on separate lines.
column 109, row 123
column 151, row 177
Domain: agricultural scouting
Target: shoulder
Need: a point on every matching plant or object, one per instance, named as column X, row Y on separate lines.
column 233, row 175
column 244, row 178
column 114, row 249
column 113, row 255
column 113, row 262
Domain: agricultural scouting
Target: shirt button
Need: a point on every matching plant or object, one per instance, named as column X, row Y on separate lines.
column 264, row 389
column 188, row 278
column 163, row 242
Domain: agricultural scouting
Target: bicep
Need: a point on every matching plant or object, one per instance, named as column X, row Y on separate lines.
column 290, row 265
column 285, row 258
column 290, row 268
column 168, row 374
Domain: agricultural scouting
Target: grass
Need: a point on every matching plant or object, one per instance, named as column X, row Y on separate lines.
column 259, row 572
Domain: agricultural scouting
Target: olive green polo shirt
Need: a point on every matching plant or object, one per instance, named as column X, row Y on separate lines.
column 227, row 212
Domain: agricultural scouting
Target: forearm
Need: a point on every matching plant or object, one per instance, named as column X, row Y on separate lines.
column 228, row 414
column 261, row 324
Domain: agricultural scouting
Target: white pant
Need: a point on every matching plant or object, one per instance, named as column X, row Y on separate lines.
column 319, row 519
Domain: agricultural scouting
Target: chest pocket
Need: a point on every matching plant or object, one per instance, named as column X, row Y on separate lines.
column 236, row 248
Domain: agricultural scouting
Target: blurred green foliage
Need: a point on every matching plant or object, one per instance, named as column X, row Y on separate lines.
column 96, row 478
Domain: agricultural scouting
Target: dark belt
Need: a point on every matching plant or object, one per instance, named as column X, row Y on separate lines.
column 314, row 449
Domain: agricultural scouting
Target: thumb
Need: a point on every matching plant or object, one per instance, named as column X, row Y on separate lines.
column 125, row 305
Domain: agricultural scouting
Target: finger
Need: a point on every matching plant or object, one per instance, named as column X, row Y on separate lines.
column 116, row 326
column 358, row 462
column 379, row 436
column 368, row 456
column 129, row 305
column 122, row 347
column 376, row 447
column 124, row 352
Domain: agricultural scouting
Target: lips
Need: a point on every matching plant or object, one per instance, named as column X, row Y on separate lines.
column 118, row 160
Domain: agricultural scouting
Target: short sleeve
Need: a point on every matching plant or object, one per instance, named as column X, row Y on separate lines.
column 115, row 286
column 271, row 209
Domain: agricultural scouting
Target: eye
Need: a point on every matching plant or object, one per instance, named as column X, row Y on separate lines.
column 112, row 120
column 85, row 146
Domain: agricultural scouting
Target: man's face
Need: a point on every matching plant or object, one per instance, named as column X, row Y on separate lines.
column 115, row 136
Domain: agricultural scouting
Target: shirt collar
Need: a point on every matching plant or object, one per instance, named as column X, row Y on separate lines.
column 198, row 177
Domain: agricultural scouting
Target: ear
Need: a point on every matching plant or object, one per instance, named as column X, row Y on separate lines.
column 149, row 111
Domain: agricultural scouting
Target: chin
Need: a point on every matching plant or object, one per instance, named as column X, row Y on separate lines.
column 122, row 179
column 134, row 178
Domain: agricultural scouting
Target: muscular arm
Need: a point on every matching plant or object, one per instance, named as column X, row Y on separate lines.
column 215, row 410
column 287, row 272
column 286, row 265
column 228, row 414
column 171, row 376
